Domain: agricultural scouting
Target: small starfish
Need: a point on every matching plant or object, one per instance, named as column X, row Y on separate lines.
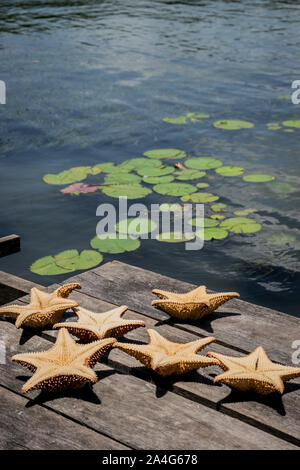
column 65, row 365
column 192, row 305
column 43, row 309
column 92, row 326
column 167, row 358
column 254, row 372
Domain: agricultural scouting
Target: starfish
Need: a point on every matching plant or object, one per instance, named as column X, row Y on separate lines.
column 92, row 326
column 43, row 309
column 167, row 358
column 65, row 365
column 193, row 305
column 254, row 372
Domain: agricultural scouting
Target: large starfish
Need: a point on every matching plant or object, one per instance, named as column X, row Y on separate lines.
column 254, row 372
column 66, row 364
column 192, row 305
column 43, row 309
column 92, row 326
column 167, row 358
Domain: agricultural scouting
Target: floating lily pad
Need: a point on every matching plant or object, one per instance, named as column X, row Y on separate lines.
column 197, row 116
column 200, row 197
column 67, row 176
column 203, row 163
column 170, row 207
column 240, row 225
column 121, row 178
column 175, row 237
column 162, row 154
column 291, row 123
column 233, row 124
column 288, row 130
column 218, row 207
column 136, row 226
column 282, row 239
column 203, row 222
column 213, row 233
column 161, row 171
column 279, row 187
column 131, row 191
column 259, row 178
column 184, row 175
column 106, row 167
column 177, row 120
column 202, row 185
column 244, row 212
column 158, row 179
column 274, row 126
column 46, row 266
column 174, row 189
column 136, row 163
column 230, row 170
column 111, row 243
column 79, row 188
column 71, row 259
column 217, row 216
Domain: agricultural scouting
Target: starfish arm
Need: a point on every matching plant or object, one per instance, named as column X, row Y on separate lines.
column 15, row 310
column 216, row 300
column 195, row 346
column 162, row 294
column 116, row 313
column 143, row 353
column 62, row 303
column 85, row 332
column 91, row 353
column 198, row 292
column 65, row 291
column 228, row 362
column 47, row 316
column 181, row 364
column 250, row 381
column 120, row 329
column 289, row 373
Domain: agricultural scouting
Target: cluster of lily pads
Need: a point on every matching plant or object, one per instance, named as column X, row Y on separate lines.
column 162, row 172
column 232, row 124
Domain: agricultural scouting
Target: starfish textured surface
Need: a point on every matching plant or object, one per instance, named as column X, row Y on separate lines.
column 92, row 326
column 192, row 305
column 168, row 358
column 254, row 372
column 44, row 309
column 65, row 365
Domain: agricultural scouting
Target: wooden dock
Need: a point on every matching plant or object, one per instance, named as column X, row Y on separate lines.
column 131, row 408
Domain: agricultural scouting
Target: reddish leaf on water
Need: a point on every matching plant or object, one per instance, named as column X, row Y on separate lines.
column 78, row 188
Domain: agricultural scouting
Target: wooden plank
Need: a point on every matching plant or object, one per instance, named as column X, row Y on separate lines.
column 36, row 428
column 237, row 324
column 9, row 245
column 17, row 283
column 127, row 409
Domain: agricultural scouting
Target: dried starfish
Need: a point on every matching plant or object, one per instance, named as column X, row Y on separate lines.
column 193, row 305
column 92, row 326
column 254, row 372
column 167, row 358
column 66, row 364
column 43, row 309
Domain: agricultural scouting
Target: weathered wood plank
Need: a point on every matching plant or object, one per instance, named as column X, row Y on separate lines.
column 127, row 408
column 36, row 428
column 237, row 324
column 9, row 245
column 17, row 283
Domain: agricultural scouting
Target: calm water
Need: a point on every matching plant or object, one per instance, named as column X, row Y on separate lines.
column 90, row 81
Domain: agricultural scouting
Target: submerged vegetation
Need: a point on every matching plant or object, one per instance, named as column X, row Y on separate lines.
column 167, row 172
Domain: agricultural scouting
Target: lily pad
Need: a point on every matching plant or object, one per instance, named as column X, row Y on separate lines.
column 71, row 259
column 46, row 266
column 288, row 130
column 259, row 178
column 233, row 124
column 291, row 123
column 202, row 185
column 200, row 197
column 279, row 187
column 111, row 243
column 197, row 116
column 121, row 178
column 174, row 237
column 158, row 179
column 244, row 212
column 203, row 163
column 174, row 189
column 67, row 176
column 131, row 191
column 218, row 207
column 106, row 167
column 184, row 175
column 177, row 120
column 79, row 188
column 136, row 163
column 161, row 171
column 170, row 207
column 136, row 226
column 217, row 216
column 230, row 170
column 240, row 225
column 213, row 233
column 168, row 154
column 203, row 222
